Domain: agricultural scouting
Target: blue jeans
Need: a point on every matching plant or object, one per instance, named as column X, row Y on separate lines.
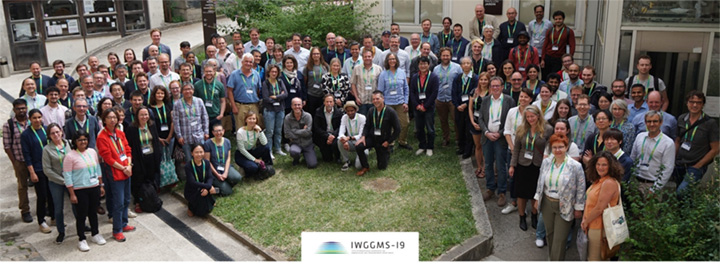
column 540, row 231
column 425, row 128
column 273, row 128
column 58, row 192
column 511, row 180
column 495, row 152
column 687, row 175
column 188, row 153
column 121, row 200
column 365, row 108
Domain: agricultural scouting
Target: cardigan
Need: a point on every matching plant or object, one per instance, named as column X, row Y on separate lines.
column 106, row 148
column 572, row 191
column 52, row 160
column 430, row 91
column 538, row 148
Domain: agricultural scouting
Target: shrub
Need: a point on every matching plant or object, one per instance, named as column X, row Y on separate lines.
column 666, row 228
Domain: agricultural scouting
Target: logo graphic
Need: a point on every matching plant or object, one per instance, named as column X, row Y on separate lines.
column 331, row 248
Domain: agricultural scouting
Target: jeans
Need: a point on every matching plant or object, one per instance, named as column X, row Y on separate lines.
column 425, row 128
column 58, row 192
column 273, row 128
column 365, row 108
column 251, row 168
column 687, row 175
column 540, row 232
column 107, row 178
column 188, row 153
column 232, row 179
column 121, row 200
column 495, row 152
column 511, row 180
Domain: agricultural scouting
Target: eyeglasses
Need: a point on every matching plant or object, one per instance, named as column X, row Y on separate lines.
column 691, row 102
column 618, row 86
column 81, row 106
column 516, row 80
column 557, row 148
column 652, row 121
column 601, row 119
column 81, row 140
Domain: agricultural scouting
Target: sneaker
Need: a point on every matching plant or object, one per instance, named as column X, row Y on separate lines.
column 286, row 147
column 137, row 208
column 345, row 166
column 272, row 156
column 420, row 151
column 131, row 214
column 539, row 243
column 488, row 194
column 429, row 152
column 508, row 209
column 44, row 228
column 60, row 238
column 27, row 217
column 280, row 152
column 83, row 246
column 501, row 200
column 98, row 239
column 128, row 228
column 118, row 237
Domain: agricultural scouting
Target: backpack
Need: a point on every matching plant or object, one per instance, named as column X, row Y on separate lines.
column 148, row 198
column 656, row 85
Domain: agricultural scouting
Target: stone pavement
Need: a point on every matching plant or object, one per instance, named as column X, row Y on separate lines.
column 169, row 235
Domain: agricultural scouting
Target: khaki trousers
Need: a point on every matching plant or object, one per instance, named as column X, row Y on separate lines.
column 404, row 122
column 22, row 175
column 445, row 110
column 594, row 244
column 557, row 228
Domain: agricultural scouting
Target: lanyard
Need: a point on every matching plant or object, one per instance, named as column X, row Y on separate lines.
column 367, row 79
column 619, row 153
column 251, row 81
column 335, row 80
column 114, row 138
column 527, row 141
column 516, row 120
column 220, row 159
column 465, row 83
column 584, row 130
column 480, row 25
column 344, row 56
column 90, row 168
column 487, row 50
column 350, row 130
column 475, row 103
column 513, row 30
column 41, row 91
column 275, row 88
column 552, row 170
column 694, row 130
column 87, row 127
column 61, row 153
column 423, row 36
column 552, row 37
column 203, row 171
column 20, row 129
column 534, row 86
column 162, row 78
column 547, row 106
column 447, row 72
column 317, row 74
column 482, row 60
column 192, row 109
column 499, row 111
column 212, row 91
column 162, row 115
column 250, row 144
column 642, row 152
column 612, row 125
column 424, row 85
column 394, row 77
column 595, row 145
column 457, row 50
column 147, row 136
column 537, row 30
column 381, row 118
column 34, row 101
column 591, row 89
column 42, row 144
column 520, row 61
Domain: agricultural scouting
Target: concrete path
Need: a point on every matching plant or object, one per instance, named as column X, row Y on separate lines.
column 169, row 235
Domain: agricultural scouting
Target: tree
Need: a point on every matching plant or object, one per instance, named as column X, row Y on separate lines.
column 280, row 19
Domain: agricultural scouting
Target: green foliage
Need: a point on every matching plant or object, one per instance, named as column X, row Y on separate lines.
column 665, row 228
column 280, row 19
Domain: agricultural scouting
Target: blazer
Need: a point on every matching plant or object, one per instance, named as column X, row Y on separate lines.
column 319, row 128
column 572, row 193
column 457, row 89
column 508, row 102
column 390, row 127
column 431, row 91
column 144, row 166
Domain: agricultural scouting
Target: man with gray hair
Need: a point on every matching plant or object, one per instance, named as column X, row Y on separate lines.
column 403, row 57
column 654, row 153
column 243, row 89
column 211, row 52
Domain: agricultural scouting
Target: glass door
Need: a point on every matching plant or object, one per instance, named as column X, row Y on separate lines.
column 26, row 39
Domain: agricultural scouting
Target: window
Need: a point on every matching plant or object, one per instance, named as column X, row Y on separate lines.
column 670, row 13
column 100, row 16
column 623, row 63
column 61, row 18
column 527, row 13
column 134, row 15
column 414, row 11
column 713, row 86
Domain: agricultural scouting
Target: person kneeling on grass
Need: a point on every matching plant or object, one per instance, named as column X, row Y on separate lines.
column 254, row 158
column 199, row 185
column 351, row 129
column 217, row 152
column 297, row 127
column 378, row 134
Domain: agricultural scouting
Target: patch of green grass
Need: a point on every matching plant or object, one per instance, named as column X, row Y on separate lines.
column 9, row 243
column 432, row 199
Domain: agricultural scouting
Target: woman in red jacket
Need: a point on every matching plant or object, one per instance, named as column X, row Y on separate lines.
column 116, row 153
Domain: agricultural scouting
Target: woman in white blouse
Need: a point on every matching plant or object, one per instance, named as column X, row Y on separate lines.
column 513, row 120
column 545, row 102
column 560, row 194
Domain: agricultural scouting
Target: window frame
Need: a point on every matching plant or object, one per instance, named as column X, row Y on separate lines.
column 446, row 12
column 578, row 26
column 119, row 14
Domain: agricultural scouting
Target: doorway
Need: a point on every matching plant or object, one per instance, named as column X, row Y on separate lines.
column 681, row 73
column 26, row 37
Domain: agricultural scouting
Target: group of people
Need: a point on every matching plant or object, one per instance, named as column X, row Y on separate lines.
column 539, row 125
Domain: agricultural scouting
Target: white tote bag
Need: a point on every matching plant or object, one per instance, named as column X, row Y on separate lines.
column 615, row 223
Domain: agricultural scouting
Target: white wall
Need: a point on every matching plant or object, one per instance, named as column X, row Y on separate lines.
column 157, row 16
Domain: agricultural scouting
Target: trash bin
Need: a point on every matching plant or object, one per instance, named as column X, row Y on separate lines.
column 4, row 67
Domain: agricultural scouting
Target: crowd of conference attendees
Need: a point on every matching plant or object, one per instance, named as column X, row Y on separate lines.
column 547, row 137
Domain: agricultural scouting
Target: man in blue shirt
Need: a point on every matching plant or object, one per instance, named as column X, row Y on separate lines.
column 637, row 93
column 669, row 123
column 243, row 87
column 446, row 71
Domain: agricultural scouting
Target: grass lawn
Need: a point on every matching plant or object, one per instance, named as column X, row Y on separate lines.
column 431, row 199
